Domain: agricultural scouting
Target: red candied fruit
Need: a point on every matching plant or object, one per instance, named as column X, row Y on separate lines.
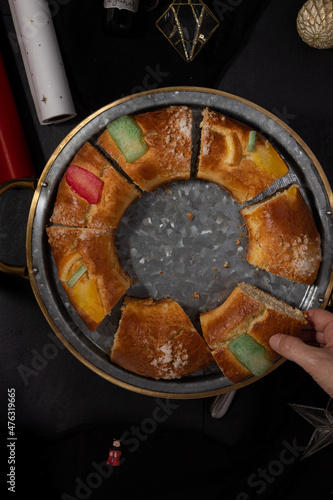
column 84, row 183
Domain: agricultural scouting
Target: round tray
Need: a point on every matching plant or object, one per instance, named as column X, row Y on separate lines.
column 185, row 240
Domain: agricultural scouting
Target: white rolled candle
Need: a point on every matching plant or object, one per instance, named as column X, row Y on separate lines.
column 42, row 60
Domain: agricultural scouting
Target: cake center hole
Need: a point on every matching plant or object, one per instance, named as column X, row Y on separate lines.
column 182, row 241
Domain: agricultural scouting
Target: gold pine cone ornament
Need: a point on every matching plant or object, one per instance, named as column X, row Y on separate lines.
column 315, row 23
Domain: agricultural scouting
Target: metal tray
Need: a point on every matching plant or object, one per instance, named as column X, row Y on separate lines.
column 196, row 262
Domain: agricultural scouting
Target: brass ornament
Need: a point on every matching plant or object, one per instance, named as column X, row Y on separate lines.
column 315, row 23
column 187, row 25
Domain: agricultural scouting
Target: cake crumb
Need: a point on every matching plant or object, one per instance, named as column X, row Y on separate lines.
column 195, row 295
column 190, row 216
column 226, row 265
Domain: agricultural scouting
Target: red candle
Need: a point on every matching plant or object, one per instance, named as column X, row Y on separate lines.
column 15, row 159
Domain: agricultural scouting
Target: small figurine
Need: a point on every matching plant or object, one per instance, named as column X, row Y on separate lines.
column 114, row 453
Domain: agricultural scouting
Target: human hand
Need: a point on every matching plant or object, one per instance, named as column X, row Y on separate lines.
column 313, row 350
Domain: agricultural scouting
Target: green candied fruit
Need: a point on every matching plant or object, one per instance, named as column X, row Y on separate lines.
column 252, row 140
column 127, row 135
column 76, row 276
column 251, row 354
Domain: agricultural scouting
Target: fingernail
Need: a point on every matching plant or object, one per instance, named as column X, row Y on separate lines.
column 275, row 341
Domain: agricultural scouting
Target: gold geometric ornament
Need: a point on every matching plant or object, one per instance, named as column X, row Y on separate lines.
column 187, row 25
column 315, row 23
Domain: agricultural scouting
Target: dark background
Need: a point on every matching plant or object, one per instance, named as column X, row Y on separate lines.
column 66, row 415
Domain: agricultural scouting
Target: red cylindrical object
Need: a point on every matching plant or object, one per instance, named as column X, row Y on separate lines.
column 15, row 159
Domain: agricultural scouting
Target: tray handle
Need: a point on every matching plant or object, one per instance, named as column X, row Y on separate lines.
column 27, row 183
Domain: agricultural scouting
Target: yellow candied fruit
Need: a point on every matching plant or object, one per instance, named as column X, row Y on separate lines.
column 87, row 297
column 292, row 191
column 268, row 160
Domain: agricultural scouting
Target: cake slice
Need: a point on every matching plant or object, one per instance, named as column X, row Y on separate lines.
column 157, row 339
column 153, row 148
column 89, row 270
column 283, row 238
column 237, row 158
column 92, row 193
column 238, row 331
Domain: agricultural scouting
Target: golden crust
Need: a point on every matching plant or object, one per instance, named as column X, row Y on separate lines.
column 224, row 158
column 219, row 322
column 283, row 238
column 168, row 134
column 252, row 311
column 105, row 282
column 117, row 194
column 156, row 339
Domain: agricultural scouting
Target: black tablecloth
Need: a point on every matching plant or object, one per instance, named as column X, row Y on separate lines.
column 66, row 416
column 123, row 66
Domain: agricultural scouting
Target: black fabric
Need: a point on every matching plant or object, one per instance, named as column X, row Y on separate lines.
column 102, row 68
column 174, row 464
column 254, row 452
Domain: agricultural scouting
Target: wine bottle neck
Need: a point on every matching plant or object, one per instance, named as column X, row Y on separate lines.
column 131, row 5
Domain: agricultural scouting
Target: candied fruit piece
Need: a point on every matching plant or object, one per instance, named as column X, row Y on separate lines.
column 251, row 354
column 76, row 276
column 128, row 137
column 84, row 183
